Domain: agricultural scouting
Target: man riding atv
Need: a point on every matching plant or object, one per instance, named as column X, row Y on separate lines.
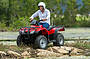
column 40, row 34
column 43, row 14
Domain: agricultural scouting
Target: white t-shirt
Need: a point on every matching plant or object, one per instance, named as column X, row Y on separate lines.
column 45, row 15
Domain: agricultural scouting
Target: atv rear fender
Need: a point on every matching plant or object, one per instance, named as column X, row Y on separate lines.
column 59, row 29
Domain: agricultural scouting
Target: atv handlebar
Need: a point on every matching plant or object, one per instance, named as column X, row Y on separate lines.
column 40, row 20
column 35, row 22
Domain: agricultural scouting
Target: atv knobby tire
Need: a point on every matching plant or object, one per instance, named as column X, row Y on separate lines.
column 59, row 40
column 41, row 42
column 19, row 41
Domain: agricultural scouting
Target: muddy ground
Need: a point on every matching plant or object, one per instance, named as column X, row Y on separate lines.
column 69, row 50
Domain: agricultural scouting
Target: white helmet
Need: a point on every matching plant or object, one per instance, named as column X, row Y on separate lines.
column 42, row 4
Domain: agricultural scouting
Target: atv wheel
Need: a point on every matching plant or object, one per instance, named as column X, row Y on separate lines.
column 19, row 41
column 59, row 40
column 41, row 42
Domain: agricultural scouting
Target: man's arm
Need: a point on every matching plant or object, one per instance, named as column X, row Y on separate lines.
column 33, row 16
column 48, row 16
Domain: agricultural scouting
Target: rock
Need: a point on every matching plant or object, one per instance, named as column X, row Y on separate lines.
column 87, row 50
column 50, row 49
column 64, row 56
column 87, row 53
column 29, row 49
column 46, row 53
column 67, row 48
column 26, row 54
column 2, row 53
column 12, row 53
column 76, row 52
column 56, row 47
column 80, row 50
column 53, row 49
column 58, row 50
column 62, row 51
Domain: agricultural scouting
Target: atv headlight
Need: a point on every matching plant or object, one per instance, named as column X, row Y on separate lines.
column 22, row 31
column 32, row 32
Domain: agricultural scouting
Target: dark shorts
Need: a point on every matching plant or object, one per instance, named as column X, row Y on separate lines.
column 46, row 25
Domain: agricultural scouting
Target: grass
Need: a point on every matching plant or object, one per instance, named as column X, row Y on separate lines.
column 3, row 47
column 80, row 44
column 83, row 45
column 10, row 47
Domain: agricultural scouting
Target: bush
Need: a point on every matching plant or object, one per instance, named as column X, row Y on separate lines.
column 3, row 26
column 17, row 24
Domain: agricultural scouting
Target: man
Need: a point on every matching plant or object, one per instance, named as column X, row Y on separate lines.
column 43, row 14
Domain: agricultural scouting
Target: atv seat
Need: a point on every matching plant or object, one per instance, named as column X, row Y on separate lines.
column 50, row 27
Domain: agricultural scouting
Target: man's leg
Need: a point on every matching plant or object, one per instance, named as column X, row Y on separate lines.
column 46, row 25
column 40, row 23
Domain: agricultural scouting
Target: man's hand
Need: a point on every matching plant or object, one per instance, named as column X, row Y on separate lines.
column 31, row 19
column 44, row 19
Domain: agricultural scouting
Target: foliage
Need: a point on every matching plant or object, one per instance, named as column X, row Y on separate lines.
column 3, row 26
column 15, row 14
column 80, row 44
column 21, row 22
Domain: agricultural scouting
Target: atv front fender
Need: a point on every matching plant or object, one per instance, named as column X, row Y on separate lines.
column 41, row 30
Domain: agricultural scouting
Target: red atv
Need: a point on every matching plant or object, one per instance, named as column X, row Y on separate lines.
column 39, row 36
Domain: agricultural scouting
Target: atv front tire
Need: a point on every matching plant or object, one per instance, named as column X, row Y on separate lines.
column 41, row 42
column 59, row 40
column 19, row 41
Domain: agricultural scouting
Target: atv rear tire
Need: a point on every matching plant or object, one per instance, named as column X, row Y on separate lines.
column 19, row 41
column 41, row 42
column 59, row 40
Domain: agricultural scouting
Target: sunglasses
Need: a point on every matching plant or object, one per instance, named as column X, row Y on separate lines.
column 40, row 6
